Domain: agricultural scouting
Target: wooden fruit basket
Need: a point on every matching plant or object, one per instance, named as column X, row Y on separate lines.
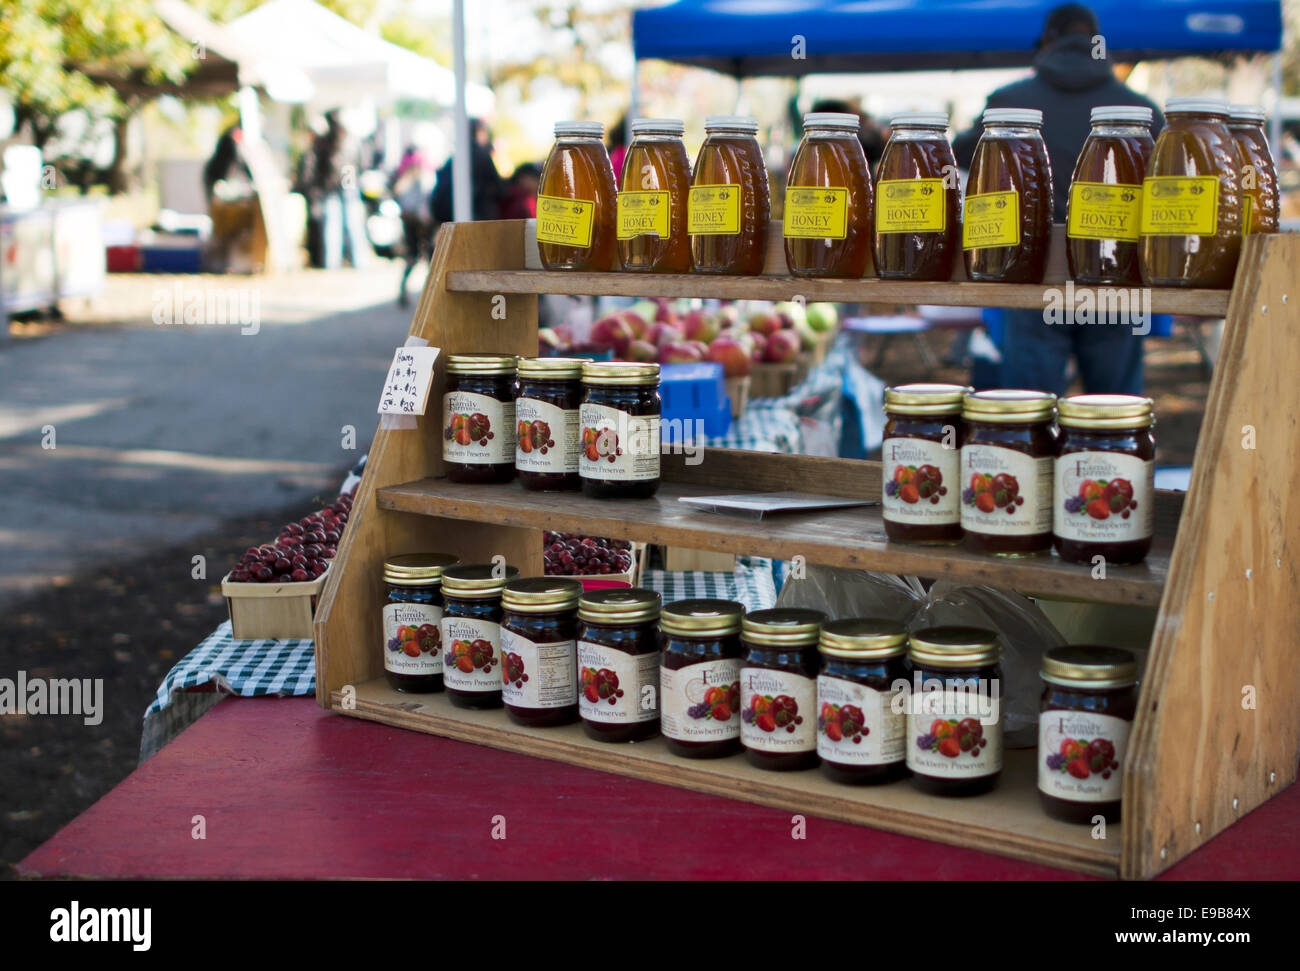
column 1216, row 729
column 271, row 610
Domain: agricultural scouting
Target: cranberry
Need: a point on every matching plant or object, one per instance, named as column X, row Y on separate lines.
column 300, row 575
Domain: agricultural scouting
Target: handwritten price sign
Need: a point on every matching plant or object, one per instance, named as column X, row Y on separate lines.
column 406, row 389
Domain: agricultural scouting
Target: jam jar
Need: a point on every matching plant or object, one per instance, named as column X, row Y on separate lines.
column 861, row 716
column 412, row 619
column 1101, row 243
column 828, row 200
column 1260, row 200
column 618, row 664
column 778, row 687
column 478, row 414
column 918, row 200
column 954, row 716
column 1089, row 699
column 699, row 677
column 471, row 633
column 1191, row 199
column 1007, row 219
column 730, row 201
column 1104, row 499
column 546, row 424
column 1006, row 471
column 539, row 655
column 619, row 450
column 656, row 177
column 577, row 210
column 920, row 463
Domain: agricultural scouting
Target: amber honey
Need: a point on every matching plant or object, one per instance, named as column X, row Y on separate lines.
column 577, row 216
column 730, row 203
column 917, row 226
column 828, row 200
column 1261, row 200
column 652, row 195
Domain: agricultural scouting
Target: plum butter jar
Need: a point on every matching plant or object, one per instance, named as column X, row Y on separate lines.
column 920, row 461
column 539, row 629
column 412, row 619
column 471, row 633
column 546, row 424
column 778, row 688
column 478, row 418
column 619, row 421
column 699, row 677
column 861, row 721
column 618, row 664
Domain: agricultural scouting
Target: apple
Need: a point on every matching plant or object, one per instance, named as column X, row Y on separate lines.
column 700, row 346
column 764, row 323
column 547, row 340
column 679, row 352
column 660, row 334
column 645, row 309
column 640, row 350
column 636, row 322
column 612, row 332
column 759, row 344
column 735, row 359
column 790, row 312
column 728, row 316
column 664, row 313
column 822, row 317
column 782, row 347
column 700, row 325
column 808, row 338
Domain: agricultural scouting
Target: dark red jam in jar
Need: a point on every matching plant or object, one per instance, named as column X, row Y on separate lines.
column 1089, row 699
column 920, row 461
column 618, row 664
column 861, row 691
column 778, row 688
column 471, row 633
column 954, row 714
column 546, row 424
column 619, row 420
column 1006, row 472
column 1104, row 498
column 478, row 418
column 412, row 620
column 539, row 653
column 699, row 677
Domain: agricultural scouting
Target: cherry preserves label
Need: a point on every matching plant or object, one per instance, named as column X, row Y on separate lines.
column 1081, row 755
column 777, row 711
column 921, row 482
column 951, row 735
column 615, row 687
column 471, row 654
column 412, row 638
column 546, row 437
column 1103, row 497
column 537, row 675
column 701, row 702
column 857, row 725
column 1005, row 492
column 618, row 446
column 477, row 429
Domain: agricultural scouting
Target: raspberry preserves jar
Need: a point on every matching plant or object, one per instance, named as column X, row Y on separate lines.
column 699, row 677
column 1085, row 715
column 539, row 628
column 471, row 633
column 619, row 421
column 618, row 664
column 861, row 721
column 546, row 424
column 828, row 200
column 778, row 688
column 1260, row 199
column 1104, row 495
column 730, row 201
column 920, row 462
column 412, row 618
column 918, row 201
column 652, row 199
column 478, row 418
column 577, row 217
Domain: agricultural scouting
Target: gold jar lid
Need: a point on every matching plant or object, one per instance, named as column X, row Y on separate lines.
column 864, row 638
column 1106, row 411
column 541, row 595
column 955, row 647
column 619, row 372
column 1009, row 406
column 481, row 364
column 479, row 581
column 925, row 399
column 619, row 605
column 702, row 617
column 1080, row 666
column 783, row 627
column 551, row 368
column 417, row 569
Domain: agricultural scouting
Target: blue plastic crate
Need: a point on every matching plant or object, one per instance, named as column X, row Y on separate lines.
column 693, row 392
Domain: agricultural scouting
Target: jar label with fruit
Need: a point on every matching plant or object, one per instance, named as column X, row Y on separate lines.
column 812, row 213
column 618, row 446
column 1007, row 493
column 777, row 711
column 565, row 221
column 701, row 702
column 920, row 482
column 1081, row 755
column 643, row 214
column 713, row 210
column 911, row 206
column 1177, row 205
column 546, row 437
column 991, row 219
column 617, row 688
column 471, row 657
column 1099, row 210
column 412, row 638
column 857, row 725
column 479, row 430
column 1104, row 497
column 537, row 675
column 947, row 737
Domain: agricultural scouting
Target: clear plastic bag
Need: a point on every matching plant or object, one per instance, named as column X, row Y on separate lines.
column 853, row 593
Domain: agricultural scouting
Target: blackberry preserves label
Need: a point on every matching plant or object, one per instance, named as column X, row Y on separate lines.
column 857, row 725
column 1005, row 492
column 546, row 437
column 471, row 654
column 477, row 429
column 778, row 709
column 565, row 221
column 1103, row 497
column 537, row 675
column 1081, row 755
column 920, row 482
column 950, row 734
column 412, row 639
column 618, row 446
column 701, row 702
column 617, row 688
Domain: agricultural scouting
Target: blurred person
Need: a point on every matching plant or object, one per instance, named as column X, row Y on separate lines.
column 329, row 178
column 617, row 145
column 521, row 192
column 869, row 133
column 412, row 189
column 487, row 189
column 226, row 162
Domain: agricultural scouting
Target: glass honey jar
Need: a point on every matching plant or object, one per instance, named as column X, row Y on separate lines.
column 653, row 188
column 918, row 200
column 729, row 205
column 1260, row 197
column 577, row 207
column 828, row 200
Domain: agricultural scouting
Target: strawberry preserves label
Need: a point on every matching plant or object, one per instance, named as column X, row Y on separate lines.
column 777, row 712
column 546, row 437
column 618, row 446
column 701, row 702
column 1081, row 755
column 412, row 638
column 920, row 482
column 1103, row 497
column 477, row 429
column 1005, row 492
column 537, row 675
column 954, row 734
column 471, row 654
column 617, row 688
column 857, row 725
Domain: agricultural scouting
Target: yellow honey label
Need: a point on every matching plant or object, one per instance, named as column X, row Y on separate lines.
column 812, row 213
column 1247, row 214
column 713, row 210
column 643, row 214
column 991, row 219
column 911, row 206
column 1178, row 205
column 565, row 221
column 1102, row 211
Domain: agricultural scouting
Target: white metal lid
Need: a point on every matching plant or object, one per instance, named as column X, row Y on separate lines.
column 1012, row 116
column 1203, row 106
column 1253, row 113
column 745, row 123
column 832, row 119
column 1134, row 114
column 920, row 119
column 592, row 129
column 663, row 126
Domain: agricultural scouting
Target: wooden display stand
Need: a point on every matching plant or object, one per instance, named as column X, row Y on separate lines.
column 1218, row 721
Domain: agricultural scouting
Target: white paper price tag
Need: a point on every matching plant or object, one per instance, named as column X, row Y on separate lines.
column 406, row 389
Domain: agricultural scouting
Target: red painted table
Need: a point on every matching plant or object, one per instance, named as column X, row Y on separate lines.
column 288, row 791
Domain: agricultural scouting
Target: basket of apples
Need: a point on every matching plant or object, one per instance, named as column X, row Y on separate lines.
column 598, row 563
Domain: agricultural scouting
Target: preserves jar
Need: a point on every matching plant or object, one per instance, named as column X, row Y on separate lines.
column 1106, row 196
column 1007, row 217
column 471, row 633
column 954, row 714
column 652, row 194
column 918, row 200
column 861, row 717
column 618, row 664
column 778, row 687
column 828, row 200
column 1104, row 497
column 478, row 414
column 539, row 654
column 1261, row 201
column 920, row 463
column 699, row 677
column 619, row 418
column 1191, row 199
column 730, row 200
column 412, row 618
column 1086, row 712
column 1007, row 463
column 546, row 423
column 577, row 209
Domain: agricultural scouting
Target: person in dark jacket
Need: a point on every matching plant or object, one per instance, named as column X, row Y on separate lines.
column 486, row 188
